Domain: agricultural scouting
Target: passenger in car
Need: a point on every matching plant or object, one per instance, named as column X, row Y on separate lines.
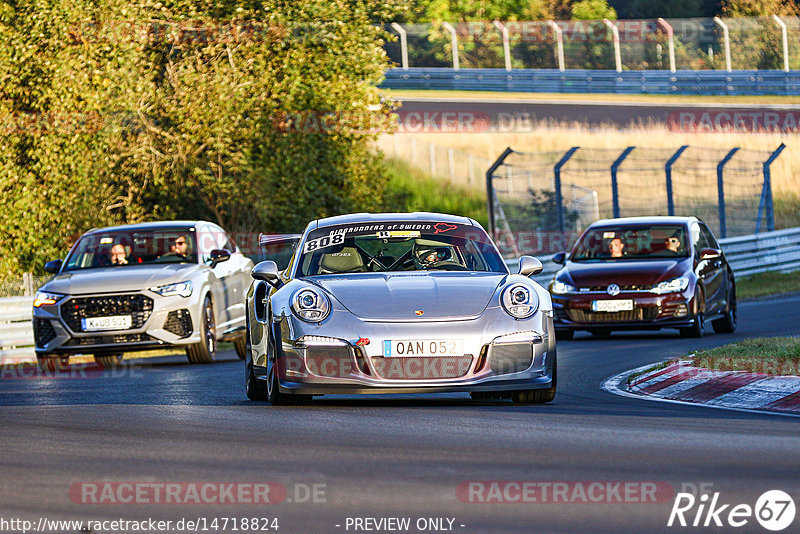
column 119, row 255
column 616, row 247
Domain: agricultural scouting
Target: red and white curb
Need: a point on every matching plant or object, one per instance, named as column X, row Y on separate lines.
column 682, row 383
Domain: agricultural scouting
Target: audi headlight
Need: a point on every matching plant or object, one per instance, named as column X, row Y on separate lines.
column 519, row 301
column 183, row 289
column 560, row 288
column 670, row 286
column 311, row 305
column 44, row 298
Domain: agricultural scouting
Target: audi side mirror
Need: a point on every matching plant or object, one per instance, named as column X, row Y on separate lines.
column 559, row 257
column 529, row 265
column 53, row 267
column 219, row 255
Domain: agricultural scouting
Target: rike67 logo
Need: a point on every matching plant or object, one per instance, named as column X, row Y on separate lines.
column 774, row 510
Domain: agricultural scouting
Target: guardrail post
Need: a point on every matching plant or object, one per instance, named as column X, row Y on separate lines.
column 490, row 196
column 723, row 222
column 559, row 44
column 670, row 41
column 453, row 42
column 614, row 188
column 506, row 47
column 765, row 204
column 668, row 173
column 726, row 39
column 615, row 34
column 562, row 227
column 403, row 43
column 785, row 40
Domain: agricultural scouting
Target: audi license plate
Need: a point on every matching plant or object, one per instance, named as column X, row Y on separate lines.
column 423, row 347
column 612, row 305
column 116, row 322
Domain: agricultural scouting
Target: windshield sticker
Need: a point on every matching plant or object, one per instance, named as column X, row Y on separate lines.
column 398, row 233
column 106, row 240
column 441, row 228
column 608, row 235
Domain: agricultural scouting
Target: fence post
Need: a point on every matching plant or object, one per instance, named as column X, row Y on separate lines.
column 27, row 284
column 614, row 188
column 490, row 188
column 506, row 48
column 726, row 41
column 668, row 173
column 453, row 42
column 559, row 44
column 403, row 44
column 670, row 41
column 765, row 204
column 615, row 34
column 562, row 227
column 723, row 221
column 784, row 41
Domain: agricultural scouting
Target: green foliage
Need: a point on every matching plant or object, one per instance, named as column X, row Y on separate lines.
column 120, row 112
column 593, row 10
column 411, row 190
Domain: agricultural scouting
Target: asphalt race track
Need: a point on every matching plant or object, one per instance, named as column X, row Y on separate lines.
column 517, row 114
column 167, row 421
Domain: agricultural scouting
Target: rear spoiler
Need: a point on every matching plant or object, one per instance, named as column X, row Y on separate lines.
column 278, row 239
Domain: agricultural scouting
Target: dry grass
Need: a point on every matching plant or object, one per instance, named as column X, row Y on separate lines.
column 771, row 355
column 545, row 138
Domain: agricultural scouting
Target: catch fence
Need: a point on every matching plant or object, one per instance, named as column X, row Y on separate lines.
column 539, row 202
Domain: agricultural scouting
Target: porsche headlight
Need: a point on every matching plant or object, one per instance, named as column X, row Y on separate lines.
column 183, row 289
column 560, row 288
column 44, row 298
column 519, row 301
column 670, row 286
column 311, row 305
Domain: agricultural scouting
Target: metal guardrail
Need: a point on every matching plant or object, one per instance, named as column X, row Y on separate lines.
column 771, row 251
column 777, row 251
column 681, row 82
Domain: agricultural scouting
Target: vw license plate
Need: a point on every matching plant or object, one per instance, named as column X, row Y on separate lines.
column 612, row 305
column 423, row 347
column 116, row 322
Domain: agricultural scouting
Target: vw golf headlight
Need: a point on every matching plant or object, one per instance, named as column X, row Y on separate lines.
column 183, row 289
column 670, row 286
column 43, row 298
column 311, row 305
column 519, row 301
column 560, row 288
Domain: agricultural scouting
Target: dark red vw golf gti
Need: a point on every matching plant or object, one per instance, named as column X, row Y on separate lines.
column 644, row 273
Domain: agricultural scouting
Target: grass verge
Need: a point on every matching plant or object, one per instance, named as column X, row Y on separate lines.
column 410, row 189
column 770, row 355
column 764, row 284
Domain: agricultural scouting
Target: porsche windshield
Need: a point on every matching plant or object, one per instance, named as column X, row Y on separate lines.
column 128, row 248
column 398, row 246
column 632, row 243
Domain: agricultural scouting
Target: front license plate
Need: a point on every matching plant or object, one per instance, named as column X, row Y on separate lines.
column 612, row 305
column 116, row 322
column 423, row 347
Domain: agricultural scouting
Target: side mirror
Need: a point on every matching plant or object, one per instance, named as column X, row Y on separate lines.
column 53, row 266
column 710, row 254
column 529, row 265
column 219, row 255
column 266, row 271
column 559, row 257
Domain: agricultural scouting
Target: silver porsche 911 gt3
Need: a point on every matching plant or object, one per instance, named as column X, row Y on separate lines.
column 398, row 303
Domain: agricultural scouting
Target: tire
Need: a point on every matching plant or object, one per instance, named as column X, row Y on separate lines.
column 565, row 333
column 256, row 390
column 108, row 360
column 696, row 330
column 727, row 323
column 600, row 332
column 538, row 396
column 206, row 349
column 240, row 345
column 52, row 364
column 276, row 398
